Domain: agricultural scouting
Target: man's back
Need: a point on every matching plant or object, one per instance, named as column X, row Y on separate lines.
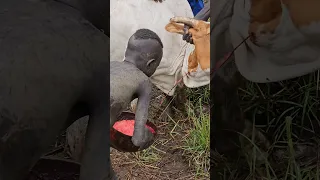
column 155, row 17
column 125, row 80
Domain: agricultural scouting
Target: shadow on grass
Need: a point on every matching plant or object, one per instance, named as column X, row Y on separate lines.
column 281, row 139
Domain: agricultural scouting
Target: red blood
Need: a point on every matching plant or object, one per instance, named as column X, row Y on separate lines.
column 150, row 128
column 127, row 127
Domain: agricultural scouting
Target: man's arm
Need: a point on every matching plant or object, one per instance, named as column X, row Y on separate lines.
column 141, row 136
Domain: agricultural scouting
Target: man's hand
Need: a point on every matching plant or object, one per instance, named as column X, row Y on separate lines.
column 200, row 31
column 142, row 137
column 186, row 35
column 203, row 15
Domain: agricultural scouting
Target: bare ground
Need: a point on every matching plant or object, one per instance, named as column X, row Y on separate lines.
column 165, row 159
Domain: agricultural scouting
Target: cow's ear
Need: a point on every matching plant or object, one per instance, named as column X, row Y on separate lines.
column 174, row 28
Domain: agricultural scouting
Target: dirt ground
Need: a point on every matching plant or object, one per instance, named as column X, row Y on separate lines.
column 165, row 160
column 281, row 136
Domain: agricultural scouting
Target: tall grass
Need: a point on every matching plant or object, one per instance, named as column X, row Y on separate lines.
column 283, row 142
column 197, row 143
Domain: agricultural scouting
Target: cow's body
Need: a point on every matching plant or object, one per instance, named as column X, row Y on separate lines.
column 127, row 16
column 53, row 71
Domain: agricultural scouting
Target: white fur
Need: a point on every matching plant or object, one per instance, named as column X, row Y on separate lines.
column 289, row 52
column 127, row 16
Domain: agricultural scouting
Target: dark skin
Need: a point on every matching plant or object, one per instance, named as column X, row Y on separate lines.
column 53, row 65
column 130, row 79
column 95, row 11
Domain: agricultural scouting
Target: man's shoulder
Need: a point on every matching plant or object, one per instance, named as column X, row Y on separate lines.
column 115, row 63
column 116, row 67
column 127, row 70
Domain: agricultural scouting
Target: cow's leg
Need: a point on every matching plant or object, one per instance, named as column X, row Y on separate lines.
column 226, row 115
column 95, row 162
column 23, row 143
column 96, row 157
column 19, row 151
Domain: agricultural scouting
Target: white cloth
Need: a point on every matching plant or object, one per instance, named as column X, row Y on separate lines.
column 127, row 16
column 290, row 52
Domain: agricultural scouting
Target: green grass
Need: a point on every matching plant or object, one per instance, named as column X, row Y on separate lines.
column 187, row 132
column 197, row 142
column 199, row 96
column 281, row 140
column 147, row 156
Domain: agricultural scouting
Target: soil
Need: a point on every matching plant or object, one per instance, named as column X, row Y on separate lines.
column 164, row 161
column 54, row 169
column 170, row 162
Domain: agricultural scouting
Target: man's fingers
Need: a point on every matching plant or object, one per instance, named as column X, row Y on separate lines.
column 185, row 20
column 186, row 32
column 191, row 40
column 184, row 37
column 142, row 138
column 138, row 136
column 186, row 29
column 187, row 36
column 147, row 140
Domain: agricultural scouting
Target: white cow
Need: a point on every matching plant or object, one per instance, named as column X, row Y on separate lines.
column 284, row 43
column 286, row 32
column 126, row 16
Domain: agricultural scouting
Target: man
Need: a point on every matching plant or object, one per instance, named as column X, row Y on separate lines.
column 127, row 16
column 129, row 79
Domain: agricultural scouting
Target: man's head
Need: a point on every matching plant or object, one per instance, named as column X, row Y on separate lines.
column 145, row 51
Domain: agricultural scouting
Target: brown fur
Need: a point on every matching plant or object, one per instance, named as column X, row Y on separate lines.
column 265, row 14
column 201, row 38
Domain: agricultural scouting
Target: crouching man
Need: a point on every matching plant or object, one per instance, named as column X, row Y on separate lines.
column 129, row 79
